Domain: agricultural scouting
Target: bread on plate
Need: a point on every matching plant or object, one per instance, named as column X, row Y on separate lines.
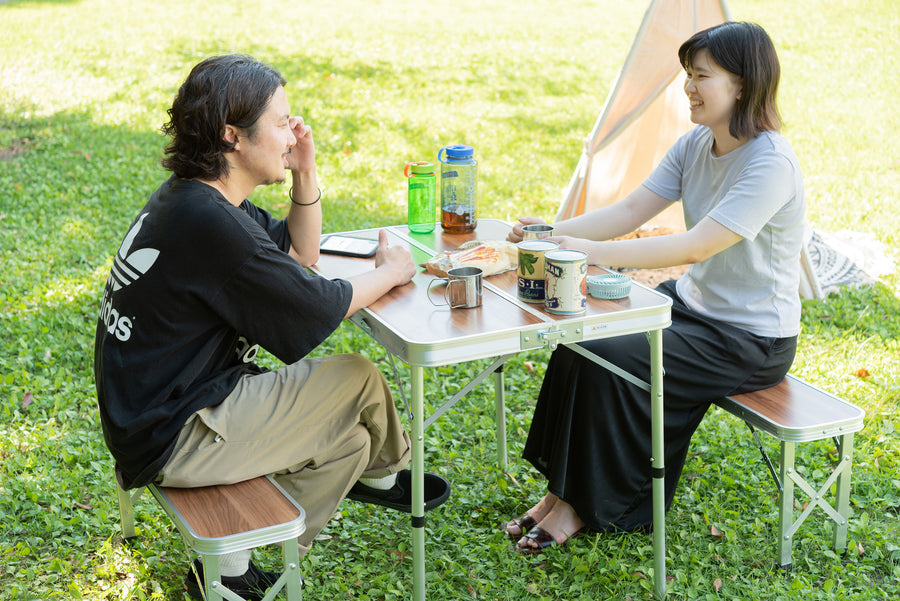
column 492, row 256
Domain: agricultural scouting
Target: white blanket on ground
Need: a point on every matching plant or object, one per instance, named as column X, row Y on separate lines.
column 847, row 258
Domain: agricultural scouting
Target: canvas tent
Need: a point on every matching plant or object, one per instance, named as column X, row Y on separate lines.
column 644, row 114
column 646, row 110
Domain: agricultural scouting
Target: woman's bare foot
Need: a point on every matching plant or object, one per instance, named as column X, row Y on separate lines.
column 557, row 526
column 536, row 514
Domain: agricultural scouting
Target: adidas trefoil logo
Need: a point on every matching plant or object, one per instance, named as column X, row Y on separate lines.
column 127, row 268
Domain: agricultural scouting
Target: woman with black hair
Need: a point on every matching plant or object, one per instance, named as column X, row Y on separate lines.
column 735, row 312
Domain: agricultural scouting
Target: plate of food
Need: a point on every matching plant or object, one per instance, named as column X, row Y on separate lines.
column 491, row 256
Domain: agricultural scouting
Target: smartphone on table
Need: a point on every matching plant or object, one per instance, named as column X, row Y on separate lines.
column 348, row 246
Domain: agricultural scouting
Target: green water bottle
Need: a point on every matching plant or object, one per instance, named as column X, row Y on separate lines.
column 420, row 197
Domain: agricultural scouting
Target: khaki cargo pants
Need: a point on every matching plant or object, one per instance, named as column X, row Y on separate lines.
column 316, row 425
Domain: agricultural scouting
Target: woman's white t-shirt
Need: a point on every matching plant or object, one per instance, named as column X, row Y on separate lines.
column 756, row 191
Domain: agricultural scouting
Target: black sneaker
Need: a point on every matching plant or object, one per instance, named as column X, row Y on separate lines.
column 399, row 496
column 252, row 585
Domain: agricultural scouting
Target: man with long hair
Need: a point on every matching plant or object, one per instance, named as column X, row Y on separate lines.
column 203, row 280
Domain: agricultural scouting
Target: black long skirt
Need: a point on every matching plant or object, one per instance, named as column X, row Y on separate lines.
column 590, row 435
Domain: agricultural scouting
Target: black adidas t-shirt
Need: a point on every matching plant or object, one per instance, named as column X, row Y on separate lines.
column 197, row 287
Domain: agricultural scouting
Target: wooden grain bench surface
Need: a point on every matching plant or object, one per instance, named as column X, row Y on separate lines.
column 223, row 510
column 796, row 411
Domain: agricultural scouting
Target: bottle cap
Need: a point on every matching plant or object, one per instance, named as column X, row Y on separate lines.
column 419, row 168
column 457, row 151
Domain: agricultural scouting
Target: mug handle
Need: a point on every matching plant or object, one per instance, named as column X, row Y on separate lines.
column 432, row 283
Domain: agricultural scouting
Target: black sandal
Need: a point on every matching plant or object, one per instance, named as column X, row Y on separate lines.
column 525, row 523
column 544, row 539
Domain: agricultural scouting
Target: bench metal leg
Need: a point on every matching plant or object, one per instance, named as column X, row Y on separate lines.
column 212, row 576
column 294, row 583
column 126, row 512
column 842, row 500
column 786, row 504
column 127, row 499
column 839, row 514
column 290, row 579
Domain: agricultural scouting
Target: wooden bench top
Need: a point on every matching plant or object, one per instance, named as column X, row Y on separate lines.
column 795, row 411
column 224, row 510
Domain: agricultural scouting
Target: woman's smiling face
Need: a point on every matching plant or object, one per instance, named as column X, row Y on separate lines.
column 712, row 91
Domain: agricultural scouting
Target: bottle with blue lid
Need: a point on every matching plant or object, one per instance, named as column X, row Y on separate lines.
column 458, row 179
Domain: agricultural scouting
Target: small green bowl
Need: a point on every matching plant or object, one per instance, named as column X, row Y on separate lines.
column 609, row 286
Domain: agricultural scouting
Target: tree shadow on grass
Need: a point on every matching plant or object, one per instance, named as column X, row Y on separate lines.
column 67, row 199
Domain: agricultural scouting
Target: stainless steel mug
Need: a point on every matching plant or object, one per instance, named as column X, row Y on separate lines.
column 463, row 289
column 536, row 231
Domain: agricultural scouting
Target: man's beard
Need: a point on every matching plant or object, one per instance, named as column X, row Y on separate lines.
column 270, row 182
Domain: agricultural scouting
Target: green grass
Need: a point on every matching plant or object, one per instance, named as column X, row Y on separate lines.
column 85, row 87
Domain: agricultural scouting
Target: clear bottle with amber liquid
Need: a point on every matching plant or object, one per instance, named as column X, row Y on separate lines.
column 458, row 179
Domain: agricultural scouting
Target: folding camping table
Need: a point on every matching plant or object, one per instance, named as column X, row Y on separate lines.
column 423, row 335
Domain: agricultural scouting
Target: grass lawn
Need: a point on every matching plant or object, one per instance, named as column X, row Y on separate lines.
column 85, row 87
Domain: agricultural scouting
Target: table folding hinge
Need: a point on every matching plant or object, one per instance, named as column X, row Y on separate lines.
column 552, row 336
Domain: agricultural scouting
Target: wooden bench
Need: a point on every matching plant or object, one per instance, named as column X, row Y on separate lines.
column 214, row 520
column 794, row 411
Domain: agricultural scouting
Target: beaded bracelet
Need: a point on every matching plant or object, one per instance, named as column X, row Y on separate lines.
column 304, row 204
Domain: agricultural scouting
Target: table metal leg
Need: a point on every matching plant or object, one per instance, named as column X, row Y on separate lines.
column 658, row 464
column 418, row 481
column 657, row 448
column 500, row 417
